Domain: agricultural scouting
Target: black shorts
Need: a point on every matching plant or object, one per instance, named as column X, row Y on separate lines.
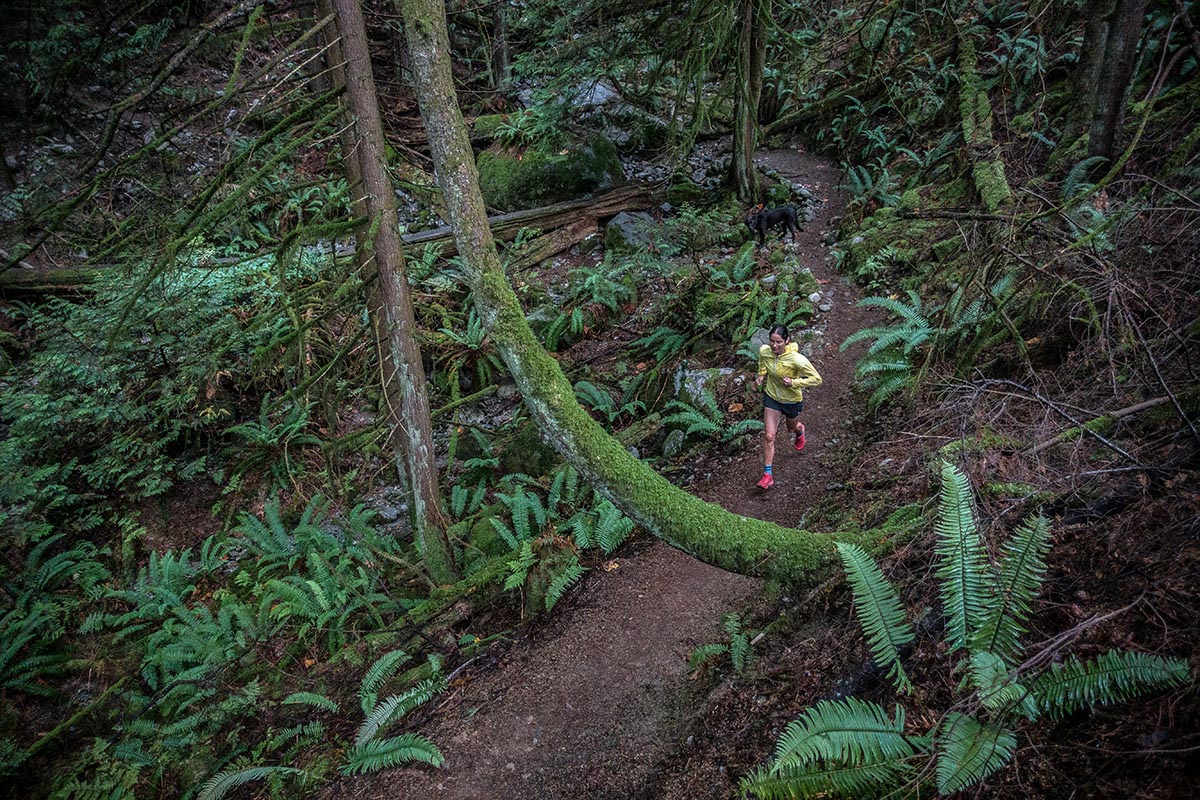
column 789, row 410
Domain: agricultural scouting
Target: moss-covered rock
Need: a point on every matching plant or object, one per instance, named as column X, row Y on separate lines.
column 684, row 191
column 484, row 128
column 512, row 179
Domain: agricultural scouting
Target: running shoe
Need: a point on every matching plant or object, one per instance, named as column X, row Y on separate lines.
column 767, row 481
column 800, row 438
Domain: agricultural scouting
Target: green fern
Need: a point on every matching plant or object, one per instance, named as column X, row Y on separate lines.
column 1022, row 569
column 852, row 731
column 383, row 753
column 311, row 699
column 392, row 708
column 967, row 587
column 563, row 581
column 968, row 751
column 879, row 611
column 518, row 568
column 222, row 783
column 1111, row 677
column 705, row 653
column 855, row 749
column 384, row 668
column 849, row 747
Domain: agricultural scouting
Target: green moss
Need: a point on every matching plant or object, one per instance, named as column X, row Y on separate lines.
column 991, row 183
column 684, row 191
column 483, row 128
column 513, row 180
column 910, row 200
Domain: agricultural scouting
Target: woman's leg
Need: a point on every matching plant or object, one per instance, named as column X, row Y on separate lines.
column 770, row 426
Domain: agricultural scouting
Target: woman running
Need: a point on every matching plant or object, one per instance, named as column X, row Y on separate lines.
column 785, row 371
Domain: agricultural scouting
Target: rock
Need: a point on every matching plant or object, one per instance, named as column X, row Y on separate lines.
column 690, row 385
column 759, row 338
column 769, row 280
column 629, row 231
column 633, row 451
column 825, row 308
column 673, row 444
column 815, row 297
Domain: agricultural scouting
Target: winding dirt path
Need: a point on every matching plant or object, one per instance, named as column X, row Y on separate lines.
column 591, row 705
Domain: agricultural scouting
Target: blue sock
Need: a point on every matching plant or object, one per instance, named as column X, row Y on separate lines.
column 767, row 469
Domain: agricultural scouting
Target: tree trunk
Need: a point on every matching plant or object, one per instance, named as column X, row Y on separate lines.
column 501, row 65
column 1124, row 29
column 404, row 393
column 751, row 56
column 707, row 531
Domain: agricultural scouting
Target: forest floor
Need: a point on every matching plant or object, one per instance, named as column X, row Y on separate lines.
column 597, row 702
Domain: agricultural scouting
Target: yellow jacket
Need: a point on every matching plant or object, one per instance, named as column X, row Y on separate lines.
column 788, row 365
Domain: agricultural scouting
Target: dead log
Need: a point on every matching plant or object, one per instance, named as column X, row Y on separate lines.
column 546, row 218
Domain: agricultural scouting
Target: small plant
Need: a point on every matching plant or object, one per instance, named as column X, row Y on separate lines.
column 602, row 403
column 738, row 647
column 887, row 367
column 705, row 419
column 855, row 747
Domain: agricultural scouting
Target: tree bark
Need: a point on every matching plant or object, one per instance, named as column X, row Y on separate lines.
column 501, row 66
column 379, row 247
column 704, row 530
column 751, row 57
column 1123, row 31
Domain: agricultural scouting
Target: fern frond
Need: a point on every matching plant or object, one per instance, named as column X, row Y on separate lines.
column 1022, row 568
column 383, row 753
column 222, row 783
column 1111, row 677
column 564, row 581
column 998, row 692
column 966, row 586
column 395, row 707
column 311, row 699
column 849, row 731
column 520, row 566
column 704, row 653
column 969, row 751
column 612, row 527
column 379, row 672
column 824, row 781
column 880, row 612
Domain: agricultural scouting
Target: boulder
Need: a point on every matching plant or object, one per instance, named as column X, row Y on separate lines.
column 514, row 179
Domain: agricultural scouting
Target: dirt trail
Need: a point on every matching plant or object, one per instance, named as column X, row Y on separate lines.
column 591, row 705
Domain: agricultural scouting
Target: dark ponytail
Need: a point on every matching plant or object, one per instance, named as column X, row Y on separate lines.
column 781, row 330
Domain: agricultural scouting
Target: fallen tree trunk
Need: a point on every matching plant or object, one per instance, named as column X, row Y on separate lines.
column 546, row 218
column 576, row 218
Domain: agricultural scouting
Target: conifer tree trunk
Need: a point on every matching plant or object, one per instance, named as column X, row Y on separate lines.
column 751, row 57
column 1117, row 38
column 382, row 258
column 707, row 531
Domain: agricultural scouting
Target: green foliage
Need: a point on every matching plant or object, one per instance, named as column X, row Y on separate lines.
column 706, row 420
column 738, row 647
column 854, row 748
column 880, row 611
column 222, row 783
column 601, row 402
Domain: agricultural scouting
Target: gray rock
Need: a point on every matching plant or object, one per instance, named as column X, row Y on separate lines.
column 690, row 384
column 632, row 229
column 769, row 280
column 759, row 338
column 633, row 451
column 673, row 444
column 815, row 297
column 825, row 308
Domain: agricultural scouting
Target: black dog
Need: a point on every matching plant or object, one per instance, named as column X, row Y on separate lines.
column 760, row 221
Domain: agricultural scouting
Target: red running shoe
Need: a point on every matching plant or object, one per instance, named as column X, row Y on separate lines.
column 800, row 438
column 767, row 481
